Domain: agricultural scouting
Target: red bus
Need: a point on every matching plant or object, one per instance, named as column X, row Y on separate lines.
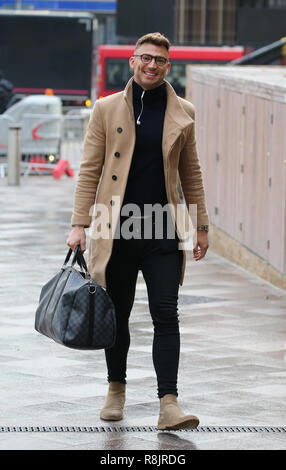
column 113, row 69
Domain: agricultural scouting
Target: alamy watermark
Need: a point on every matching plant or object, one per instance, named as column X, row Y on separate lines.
column 155, row 221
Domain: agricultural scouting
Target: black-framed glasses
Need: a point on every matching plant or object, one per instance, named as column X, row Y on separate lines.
column 147, row 58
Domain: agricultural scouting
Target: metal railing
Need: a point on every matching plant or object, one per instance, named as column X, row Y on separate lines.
column 73, row 132
column 42, row 146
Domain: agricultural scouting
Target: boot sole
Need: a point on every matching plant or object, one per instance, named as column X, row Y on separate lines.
column 190, row 423
column 111, row 419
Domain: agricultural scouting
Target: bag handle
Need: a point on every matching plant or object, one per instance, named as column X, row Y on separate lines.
column 67, row 258
column 77, row 258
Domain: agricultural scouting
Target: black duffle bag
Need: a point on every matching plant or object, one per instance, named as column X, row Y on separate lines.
column 74, row 310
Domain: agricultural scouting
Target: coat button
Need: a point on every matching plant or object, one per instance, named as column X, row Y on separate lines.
column 114, row 177
column 119, row 130
column 117, row 154
column 112, row 202
column 108, row 225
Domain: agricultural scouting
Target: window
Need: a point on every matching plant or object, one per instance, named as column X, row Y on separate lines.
column 177, row 78
column 177, row 75
column 117, row 73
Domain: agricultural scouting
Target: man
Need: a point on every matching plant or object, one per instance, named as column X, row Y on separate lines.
column 137, row 143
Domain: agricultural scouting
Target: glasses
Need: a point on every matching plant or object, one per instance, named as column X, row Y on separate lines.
column 147, row 58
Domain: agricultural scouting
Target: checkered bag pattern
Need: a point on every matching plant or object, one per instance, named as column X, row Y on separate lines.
column 76, row 312
column 82, row 329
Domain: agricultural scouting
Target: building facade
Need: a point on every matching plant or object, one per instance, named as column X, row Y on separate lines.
column 253, row 23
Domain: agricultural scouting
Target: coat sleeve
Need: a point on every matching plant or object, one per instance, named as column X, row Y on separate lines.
column 192, row 180
column 91, row 166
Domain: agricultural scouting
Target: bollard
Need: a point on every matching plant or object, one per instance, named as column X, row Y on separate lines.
column 14, row 154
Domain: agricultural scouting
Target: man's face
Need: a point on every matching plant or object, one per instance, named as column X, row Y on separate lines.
column 150, row 75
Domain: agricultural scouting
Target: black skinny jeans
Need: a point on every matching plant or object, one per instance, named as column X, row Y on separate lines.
column 160, row 261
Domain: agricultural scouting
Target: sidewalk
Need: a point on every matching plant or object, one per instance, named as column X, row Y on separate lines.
column 232, row 367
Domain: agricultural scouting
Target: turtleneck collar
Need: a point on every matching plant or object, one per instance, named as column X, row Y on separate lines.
column 153, row 94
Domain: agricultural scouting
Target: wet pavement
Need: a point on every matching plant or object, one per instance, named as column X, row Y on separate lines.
column 233, row 351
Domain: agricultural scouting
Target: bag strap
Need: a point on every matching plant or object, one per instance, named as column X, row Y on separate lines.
column 80, row 258
column 77, row 258
column 67, row 258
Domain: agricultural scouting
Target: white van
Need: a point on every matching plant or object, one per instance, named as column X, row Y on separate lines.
column 41, row 119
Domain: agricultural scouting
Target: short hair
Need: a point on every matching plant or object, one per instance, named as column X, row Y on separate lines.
column 154, row 38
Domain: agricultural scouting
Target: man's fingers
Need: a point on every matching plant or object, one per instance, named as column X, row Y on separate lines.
column 199, row 251
column 74, row 242
column 74, row 245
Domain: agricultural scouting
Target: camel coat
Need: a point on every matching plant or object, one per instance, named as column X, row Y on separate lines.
column 106, row 158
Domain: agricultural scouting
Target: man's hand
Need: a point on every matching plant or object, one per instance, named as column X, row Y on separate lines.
column 202, row 244
column 77, row 237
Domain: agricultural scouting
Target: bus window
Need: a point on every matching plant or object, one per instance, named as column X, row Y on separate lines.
column 177, row 74
column 117, row 74
column 177, row 78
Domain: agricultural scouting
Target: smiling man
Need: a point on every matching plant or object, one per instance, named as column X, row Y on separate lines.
column 152, row 66
column 137, row 143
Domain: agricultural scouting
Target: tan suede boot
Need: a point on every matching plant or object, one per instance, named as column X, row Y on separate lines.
column 114, row 403
column 172, row 417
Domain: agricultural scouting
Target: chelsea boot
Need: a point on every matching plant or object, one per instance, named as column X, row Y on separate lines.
column 114, row 403
column 172, row 417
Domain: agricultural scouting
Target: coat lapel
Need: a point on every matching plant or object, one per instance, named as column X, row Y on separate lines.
column 128, row 97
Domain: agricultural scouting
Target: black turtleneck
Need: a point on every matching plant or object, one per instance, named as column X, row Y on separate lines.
column 146, row 183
